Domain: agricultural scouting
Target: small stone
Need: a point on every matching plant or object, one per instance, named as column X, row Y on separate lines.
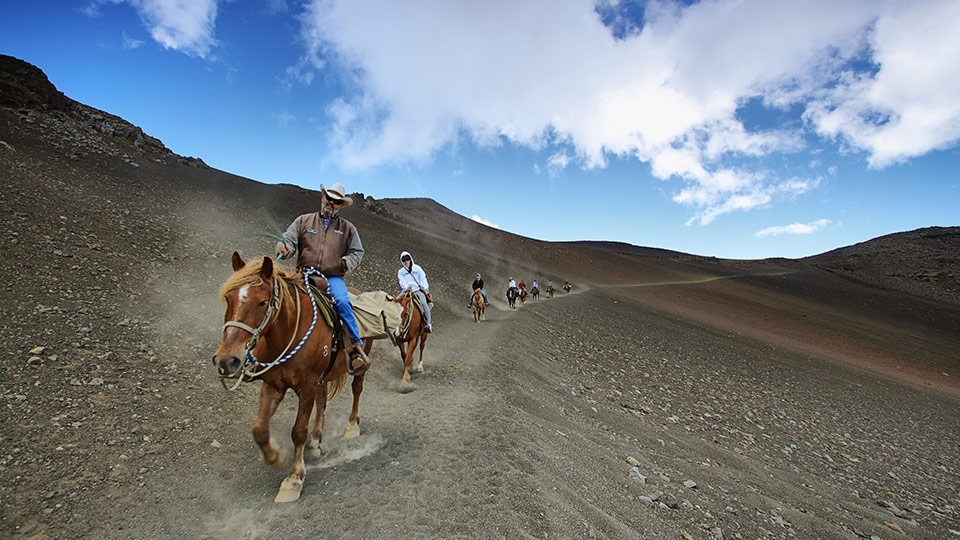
column 895, row 527
column 37, row 350
column 690, row 484
column 215, row 443
column 632, row 461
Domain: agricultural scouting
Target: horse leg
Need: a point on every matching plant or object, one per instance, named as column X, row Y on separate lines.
column 270, row 399
column 353, row 428
column 316, row 434
column 292, row 486
column 406, row 355
column 423, row 341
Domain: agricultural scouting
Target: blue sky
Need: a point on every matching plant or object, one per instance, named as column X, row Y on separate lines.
column 732, row 128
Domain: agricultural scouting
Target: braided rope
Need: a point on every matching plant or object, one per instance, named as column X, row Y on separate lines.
column 252, row 360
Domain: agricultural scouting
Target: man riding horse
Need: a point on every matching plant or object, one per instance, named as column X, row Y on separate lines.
column 330, row 244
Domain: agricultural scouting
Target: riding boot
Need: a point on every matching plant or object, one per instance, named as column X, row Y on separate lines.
column 358, row 363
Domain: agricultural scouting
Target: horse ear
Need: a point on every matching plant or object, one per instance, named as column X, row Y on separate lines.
column 237, row 261
column 266, row 269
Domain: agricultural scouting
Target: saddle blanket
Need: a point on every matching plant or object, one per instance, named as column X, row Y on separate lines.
column 376, row 313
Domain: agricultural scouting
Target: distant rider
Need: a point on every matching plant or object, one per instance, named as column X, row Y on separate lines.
column 478, row 284
column 413, row 277
column 511, row 284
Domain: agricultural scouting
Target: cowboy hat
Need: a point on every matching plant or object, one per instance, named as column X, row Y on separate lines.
column 336, row 193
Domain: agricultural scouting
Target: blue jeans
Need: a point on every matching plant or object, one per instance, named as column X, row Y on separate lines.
column 338, row 290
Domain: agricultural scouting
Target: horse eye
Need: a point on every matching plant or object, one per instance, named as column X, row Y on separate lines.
column 263, row 303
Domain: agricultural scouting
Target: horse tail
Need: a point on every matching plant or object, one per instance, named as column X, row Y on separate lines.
column 335, row 387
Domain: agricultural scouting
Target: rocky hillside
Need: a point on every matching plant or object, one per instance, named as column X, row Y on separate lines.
column 925, row 262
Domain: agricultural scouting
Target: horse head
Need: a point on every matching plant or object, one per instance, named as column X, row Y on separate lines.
column 252, row 297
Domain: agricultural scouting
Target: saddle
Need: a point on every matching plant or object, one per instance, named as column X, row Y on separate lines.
column 318, row 290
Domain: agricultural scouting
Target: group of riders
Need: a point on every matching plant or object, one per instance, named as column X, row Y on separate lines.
column 514, row 289
column 325, row 243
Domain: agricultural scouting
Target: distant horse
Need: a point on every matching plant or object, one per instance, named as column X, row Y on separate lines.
column 567, row 287
column 477, row 303
column 512, row 297
column 550, row 291
column 535, row 293
column 271, row 315
column 413, row 330
column 523, row 296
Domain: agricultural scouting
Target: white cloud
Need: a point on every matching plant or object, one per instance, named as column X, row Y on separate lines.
column 550, row 76
column 795, row 228
column 184, row 26
column 557, row 162
column 131, row 43
column 910, row 106
column 486, row 222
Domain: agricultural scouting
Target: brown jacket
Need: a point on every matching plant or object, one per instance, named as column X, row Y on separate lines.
column 333, row 251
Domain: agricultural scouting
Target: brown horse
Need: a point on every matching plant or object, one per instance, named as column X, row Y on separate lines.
column 523, row 296
column 413, row 330
column 270, row 315
column 535, row 293
column 478, row 304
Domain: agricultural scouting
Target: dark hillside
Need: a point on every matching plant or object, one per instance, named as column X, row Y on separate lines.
column 924, row 262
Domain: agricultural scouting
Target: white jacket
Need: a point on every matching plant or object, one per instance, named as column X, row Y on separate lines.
column 416, row 279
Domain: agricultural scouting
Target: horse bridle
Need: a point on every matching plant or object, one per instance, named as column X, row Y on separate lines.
column 255, row 333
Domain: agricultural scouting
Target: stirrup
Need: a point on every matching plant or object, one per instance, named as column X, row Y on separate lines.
column 355, row 355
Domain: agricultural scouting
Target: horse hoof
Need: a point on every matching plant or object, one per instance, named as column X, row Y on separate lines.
column 289, row 491
column 277, row 461
column 420, row 368
column 352, row 431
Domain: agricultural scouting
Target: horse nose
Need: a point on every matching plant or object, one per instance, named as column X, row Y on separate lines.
column 227, row 365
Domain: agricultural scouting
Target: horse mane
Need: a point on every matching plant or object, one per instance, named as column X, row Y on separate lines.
column 250, row 275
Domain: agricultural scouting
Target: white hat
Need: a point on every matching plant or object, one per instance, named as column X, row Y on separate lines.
column 336, row 193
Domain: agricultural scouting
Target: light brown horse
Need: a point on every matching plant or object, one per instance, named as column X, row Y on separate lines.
column 523, row 296
column 478, row 304
column 272, row 332
column 413, row 330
